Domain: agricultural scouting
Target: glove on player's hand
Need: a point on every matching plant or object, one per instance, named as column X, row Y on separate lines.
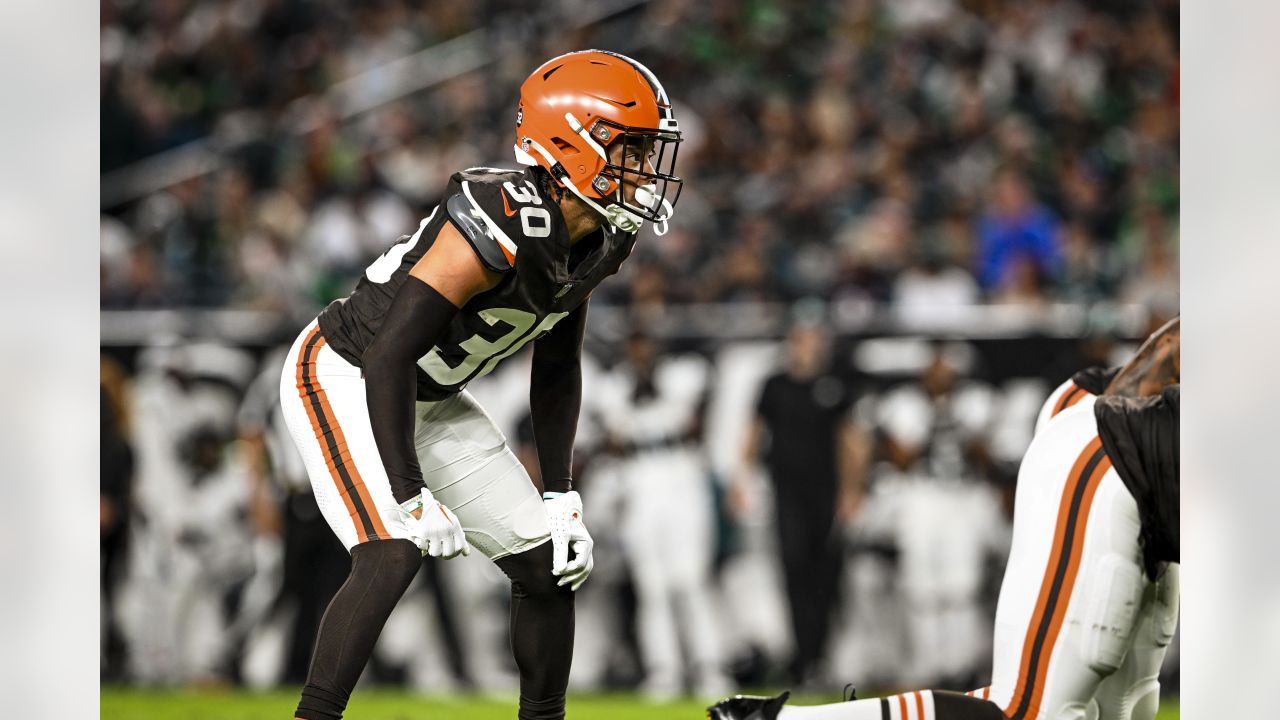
column 435, row 530
column 564, row 517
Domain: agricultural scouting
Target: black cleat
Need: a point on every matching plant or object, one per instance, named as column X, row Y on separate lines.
column 748, row 707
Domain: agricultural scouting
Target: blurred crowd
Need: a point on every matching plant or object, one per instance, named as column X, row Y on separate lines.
column 918, row 152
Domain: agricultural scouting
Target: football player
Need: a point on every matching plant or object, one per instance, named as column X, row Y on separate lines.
column 403, row 461
column 1090, row 381
column 1132, row 692
column 1085, row 613
column 652, row 406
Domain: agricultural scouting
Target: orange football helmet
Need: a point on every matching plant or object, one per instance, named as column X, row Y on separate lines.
column 577, row 106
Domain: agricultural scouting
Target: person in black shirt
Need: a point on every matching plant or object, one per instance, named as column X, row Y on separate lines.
column 815, row 457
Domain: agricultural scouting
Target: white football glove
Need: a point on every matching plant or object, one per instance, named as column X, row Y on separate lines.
column 564, row 517
column 436, row 531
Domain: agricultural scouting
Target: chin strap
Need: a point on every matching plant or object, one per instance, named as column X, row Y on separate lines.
column 660, row 227
column 616, row 215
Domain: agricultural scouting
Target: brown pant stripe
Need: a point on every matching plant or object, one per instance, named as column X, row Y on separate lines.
column 1059, row 579
column 333, row 444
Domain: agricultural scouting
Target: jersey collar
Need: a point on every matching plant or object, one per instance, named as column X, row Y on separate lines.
column 561, row 247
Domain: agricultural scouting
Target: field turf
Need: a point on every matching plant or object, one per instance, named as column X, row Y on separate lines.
column 376, row 704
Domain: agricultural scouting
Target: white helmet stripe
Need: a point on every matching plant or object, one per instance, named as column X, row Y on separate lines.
column 586, row 136
column 664, row 103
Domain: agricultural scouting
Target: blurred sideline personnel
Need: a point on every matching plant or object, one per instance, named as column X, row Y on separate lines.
column 653, row 408
column 947, row 517
column 1104, row 475
column 402, row 459
column 115, row 499
column 816, row 459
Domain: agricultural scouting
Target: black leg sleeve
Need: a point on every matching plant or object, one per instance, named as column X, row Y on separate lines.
column 541, row 632
column 381, row 571
column 957, row 706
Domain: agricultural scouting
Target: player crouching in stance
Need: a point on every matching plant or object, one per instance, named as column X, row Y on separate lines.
column 1089, row 600
column 403, row 461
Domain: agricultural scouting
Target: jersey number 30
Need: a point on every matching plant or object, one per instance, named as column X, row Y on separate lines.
column 489, row 352
column 534, row 221
column 482, row 354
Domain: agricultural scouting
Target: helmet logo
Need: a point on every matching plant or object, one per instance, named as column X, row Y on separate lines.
column 601, row 183
column 519, row 116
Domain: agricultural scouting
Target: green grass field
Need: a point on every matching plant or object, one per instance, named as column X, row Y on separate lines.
column 132, row 704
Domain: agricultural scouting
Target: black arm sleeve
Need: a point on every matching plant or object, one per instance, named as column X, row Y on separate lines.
column 555, row 398
column 417, row 318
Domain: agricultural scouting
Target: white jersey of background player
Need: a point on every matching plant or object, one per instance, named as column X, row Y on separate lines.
column 944, row 521
column 651, row 409
column 194, row 548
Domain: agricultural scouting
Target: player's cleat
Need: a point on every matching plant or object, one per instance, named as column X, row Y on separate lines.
column 748, row 707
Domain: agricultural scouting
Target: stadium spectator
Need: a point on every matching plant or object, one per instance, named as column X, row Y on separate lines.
column 1018, row 244
column 809, row 119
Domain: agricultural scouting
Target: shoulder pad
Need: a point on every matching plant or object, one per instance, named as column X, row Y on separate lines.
column 491, row 243
column 488, row 175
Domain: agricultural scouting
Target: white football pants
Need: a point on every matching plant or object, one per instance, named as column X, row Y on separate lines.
column 465, row 459
column 1075, row 601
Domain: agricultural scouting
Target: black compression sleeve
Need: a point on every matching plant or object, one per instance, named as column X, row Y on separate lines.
column 555, row 398
column 416, row 319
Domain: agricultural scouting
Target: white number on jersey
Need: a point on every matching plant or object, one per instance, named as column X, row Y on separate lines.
column 383, row 268
column 480, row 350
column 534, row 221
column 521, row 195
column 541, row 228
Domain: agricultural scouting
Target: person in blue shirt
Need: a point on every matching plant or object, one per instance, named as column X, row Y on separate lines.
column 1015, row 225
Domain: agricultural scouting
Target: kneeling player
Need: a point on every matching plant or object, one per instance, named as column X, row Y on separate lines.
column 1089, row 599
column 373, row 391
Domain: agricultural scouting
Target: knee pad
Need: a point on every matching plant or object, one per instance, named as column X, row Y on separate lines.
column 1113, row 596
